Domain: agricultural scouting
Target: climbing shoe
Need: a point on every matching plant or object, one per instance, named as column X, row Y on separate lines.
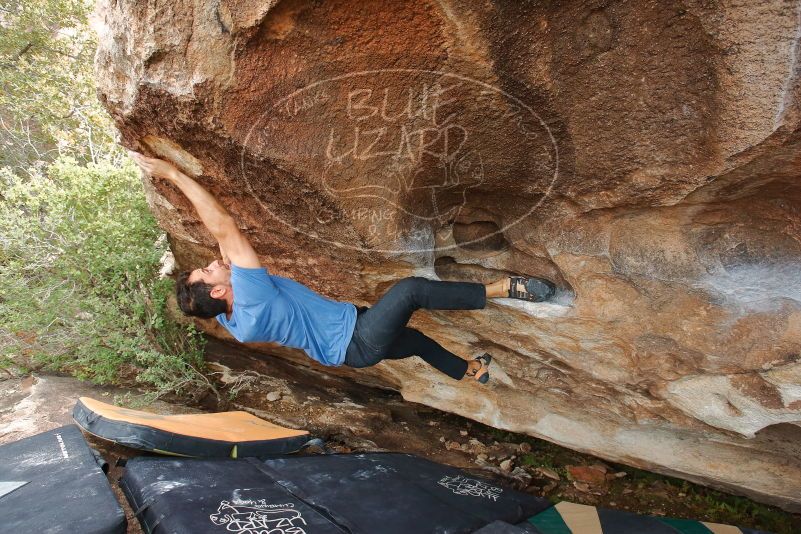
column 530, row 289
column 482, row 373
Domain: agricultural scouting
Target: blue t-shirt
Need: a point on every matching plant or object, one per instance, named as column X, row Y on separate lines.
column 273, row 308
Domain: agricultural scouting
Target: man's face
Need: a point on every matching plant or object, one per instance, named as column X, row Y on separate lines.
column 216, row 273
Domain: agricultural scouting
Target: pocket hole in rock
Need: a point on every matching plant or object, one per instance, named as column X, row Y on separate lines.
column 479, row 236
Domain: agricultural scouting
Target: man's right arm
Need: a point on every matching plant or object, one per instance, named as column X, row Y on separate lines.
column 213, row 215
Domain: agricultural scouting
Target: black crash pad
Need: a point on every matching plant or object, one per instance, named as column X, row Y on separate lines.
column 52, row 483
column 183, row 496
column 359, row 493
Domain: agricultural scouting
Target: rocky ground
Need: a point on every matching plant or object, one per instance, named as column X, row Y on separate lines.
column 350, row 417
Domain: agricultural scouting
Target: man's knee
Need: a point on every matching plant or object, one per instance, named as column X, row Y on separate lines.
column 411, row 285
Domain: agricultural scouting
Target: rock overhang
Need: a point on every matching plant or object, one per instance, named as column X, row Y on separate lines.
column 644, row 157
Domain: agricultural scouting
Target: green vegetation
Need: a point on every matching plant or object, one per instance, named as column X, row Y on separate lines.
column 79, row 249
column 48, row 106
column 79, row 270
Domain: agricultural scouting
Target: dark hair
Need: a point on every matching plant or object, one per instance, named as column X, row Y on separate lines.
column 195, row 299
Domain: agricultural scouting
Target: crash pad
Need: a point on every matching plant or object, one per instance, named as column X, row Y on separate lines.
column 52, row 482
column 358, row 493
column 225, row 434
column 571, row 518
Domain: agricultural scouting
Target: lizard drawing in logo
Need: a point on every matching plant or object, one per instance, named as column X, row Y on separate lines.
column 415, row 180
column 269, row 519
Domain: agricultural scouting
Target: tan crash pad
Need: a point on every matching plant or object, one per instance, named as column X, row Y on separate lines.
column 190, row 434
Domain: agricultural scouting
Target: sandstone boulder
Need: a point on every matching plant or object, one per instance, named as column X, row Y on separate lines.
column 643, row 155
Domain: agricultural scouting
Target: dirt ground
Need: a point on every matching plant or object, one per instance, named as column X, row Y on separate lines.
column 351, row 417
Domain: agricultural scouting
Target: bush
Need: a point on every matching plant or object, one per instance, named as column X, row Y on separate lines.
column 79, row 260
column 48, row 105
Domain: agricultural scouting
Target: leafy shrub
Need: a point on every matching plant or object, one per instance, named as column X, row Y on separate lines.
column 48, row 105
column 79, row 262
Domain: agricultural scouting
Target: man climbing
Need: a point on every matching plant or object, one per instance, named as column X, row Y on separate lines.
column 256, row 306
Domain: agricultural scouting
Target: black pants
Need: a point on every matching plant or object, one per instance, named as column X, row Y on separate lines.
column 381, row 332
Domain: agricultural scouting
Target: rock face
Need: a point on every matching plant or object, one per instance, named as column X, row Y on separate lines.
column 643, row 155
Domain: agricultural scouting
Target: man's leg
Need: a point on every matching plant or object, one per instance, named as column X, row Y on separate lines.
column 383, row 322
column 411, row 342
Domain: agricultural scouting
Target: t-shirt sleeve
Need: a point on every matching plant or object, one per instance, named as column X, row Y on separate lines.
column 252, row 286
